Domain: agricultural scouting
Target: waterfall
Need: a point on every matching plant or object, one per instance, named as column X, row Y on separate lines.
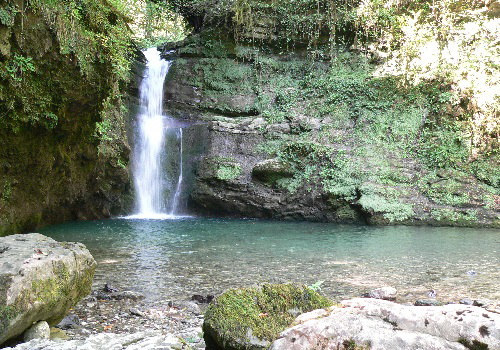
column 178, row 188
column 153, row 198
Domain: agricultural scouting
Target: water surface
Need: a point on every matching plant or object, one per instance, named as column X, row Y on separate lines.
column 171, row 259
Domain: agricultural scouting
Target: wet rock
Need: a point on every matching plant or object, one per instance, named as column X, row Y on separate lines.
column 137, row 312
column 40, row 330
column 383, row 325
column 482, row 302
column 201, row 299
column 41, row 279
column 126, row 294
column 385, row 293
column 108, row 288
column 432, row 293
column 69, row 321
column 189, row 306
column 102, row 296
column 428, row 302
column 58, row 334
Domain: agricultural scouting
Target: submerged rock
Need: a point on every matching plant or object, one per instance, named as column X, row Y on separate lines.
column 41, row 279
column 380, row 325
column 385, row 293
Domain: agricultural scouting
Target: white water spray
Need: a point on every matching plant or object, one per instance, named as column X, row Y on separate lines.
column 149, row 177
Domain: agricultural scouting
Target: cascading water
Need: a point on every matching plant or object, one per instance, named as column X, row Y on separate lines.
column 150, row 179
column 178, row 188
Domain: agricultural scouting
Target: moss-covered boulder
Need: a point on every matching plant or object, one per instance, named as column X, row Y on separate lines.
column 40, row 280
column 251, row 318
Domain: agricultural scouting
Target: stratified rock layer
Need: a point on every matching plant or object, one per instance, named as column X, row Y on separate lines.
column 380, row 324
column 40, row 280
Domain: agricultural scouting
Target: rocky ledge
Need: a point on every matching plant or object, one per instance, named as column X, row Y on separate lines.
column 40, row 280
column 379, row 324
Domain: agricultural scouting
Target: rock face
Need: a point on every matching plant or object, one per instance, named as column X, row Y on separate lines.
column 271, row 154
column 54, row 164
column 379, row 325
column 40, row 280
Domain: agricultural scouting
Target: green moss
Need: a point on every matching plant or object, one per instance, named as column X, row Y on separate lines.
column 227, row 172
column 265, row 310
column 453, row 217
column 474, row 344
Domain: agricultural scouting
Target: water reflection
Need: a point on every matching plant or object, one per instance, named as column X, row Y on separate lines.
column 178, row 258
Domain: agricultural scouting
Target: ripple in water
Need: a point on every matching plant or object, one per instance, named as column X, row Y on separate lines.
column 178, row 258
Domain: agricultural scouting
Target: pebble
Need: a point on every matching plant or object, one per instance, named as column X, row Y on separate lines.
column 427, row 302
column 466, row 301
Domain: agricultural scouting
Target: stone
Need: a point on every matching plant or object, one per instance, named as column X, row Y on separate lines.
column 427, row 302
column 385, row 293
column 40, row 330
column 466, row 301
column 108, row 288
column 58, row 334
column 126, row 294
column 384, row 325
column 69, row 321
column 271, row 169
column 482, row 302
column 136, row 312
column 200, row 299
column 41, row 279
column 107, row 341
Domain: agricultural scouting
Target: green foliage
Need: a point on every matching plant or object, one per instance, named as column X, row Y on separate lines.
column 448, row 216
column 17, row 67
column 447, row 191
column 316, row 286
column 6, row 192
column 487, row 170
column 442, row 148
column 8, row 14
column 226, row 169
column 266, row 310
column 385, row 200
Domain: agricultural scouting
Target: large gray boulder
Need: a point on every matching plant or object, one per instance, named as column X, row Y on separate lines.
column 109, row 341
column 383, row 325
column 40, row 280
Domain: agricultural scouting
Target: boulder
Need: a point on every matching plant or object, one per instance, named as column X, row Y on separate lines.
column 251, row 318
column 40, row 280
column 379, row 325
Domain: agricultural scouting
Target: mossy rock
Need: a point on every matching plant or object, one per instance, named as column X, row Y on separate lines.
column 40, row 280
column 251, row 318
